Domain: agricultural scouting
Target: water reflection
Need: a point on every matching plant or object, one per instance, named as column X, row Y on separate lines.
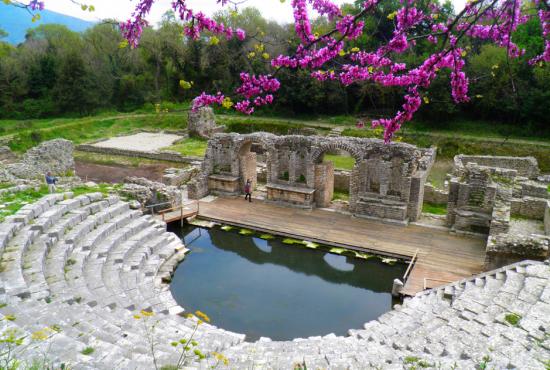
column 339, row 263
column 266, row 288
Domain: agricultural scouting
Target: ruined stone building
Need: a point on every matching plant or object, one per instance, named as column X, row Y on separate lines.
column 386, row 182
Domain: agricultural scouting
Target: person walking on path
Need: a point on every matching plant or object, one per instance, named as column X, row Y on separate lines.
column 248, row 190
column 50, row 181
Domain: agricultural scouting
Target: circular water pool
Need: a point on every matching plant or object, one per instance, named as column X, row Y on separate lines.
column 265, row 288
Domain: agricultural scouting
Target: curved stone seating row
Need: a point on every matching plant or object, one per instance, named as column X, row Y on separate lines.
column 15, row 189
column 85, row 266
column 460, row 326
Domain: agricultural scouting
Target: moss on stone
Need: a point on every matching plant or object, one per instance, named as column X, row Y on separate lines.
column 512, row 318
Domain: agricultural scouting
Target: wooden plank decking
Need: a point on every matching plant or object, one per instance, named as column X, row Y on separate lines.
column 441, row 256
column 178, row 213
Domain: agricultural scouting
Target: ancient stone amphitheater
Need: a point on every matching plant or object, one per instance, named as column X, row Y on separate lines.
column 86, row 265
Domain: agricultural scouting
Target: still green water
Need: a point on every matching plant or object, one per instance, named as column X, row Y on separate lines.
column 265, row 288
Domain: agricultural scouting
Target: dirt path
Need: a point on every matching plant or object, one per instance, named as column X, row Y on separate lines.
column 116, row 174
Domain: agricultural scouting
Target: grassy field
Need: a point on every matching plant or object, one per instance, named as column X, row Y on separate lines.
column 26, row 134
column 452, row 138
column 190, row 147
column 341, row 162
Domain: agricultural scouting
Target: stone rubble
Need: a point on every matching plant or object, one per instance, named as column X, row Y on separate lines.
column 149, row 193
column 55, row 156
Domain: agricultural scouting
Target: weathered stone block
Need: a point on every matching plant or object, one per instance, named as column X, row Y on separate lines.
column 324, row 184
column 292, row 195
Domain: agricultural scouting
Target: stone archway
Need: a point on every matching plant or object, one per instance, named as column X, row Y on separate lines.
column 324, row 173
column 247, row 161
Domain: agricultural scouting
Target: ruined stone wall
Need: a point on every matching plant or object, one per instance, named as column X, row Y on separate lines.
column 504, row 248
column 435, row 195
column 479, row 196
column 341, row 180
column 55, row 156
column 168, row 156
column 202, row 123
column 529, row 207
column 388, row 180
column 525, row 166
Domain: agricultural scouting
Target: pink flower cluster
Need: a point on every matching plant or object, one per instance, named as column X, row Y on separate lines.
column 256, row 91
column 195, row 23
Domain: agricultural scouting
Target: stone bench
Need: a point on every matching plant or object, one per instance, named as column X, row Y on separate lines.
column 383, row 209
column 224, row 184
column 292, row 195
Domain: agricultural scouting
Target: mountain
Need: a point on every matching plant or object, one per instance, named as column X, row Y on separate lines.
column 16, row 21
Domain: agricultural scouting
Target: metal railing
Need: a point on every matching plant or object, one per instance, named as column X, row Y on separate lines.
column 152, row 206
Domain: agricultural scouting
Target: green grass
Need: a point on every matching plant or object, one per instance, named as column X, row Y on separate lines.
column 88, row 129
column 5, row 185
column 101, row 188
column 451, row 138
column 190, row 147
column 435, row 209
column 341, row 162
column 340, row 195
column 15, row 201
column 477, row 128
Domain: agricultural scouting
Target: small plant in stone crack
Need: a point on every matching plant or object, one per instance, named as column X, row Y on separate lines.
column 188, row 348
column 483, row 365
column 413, row 363
column 14, row 344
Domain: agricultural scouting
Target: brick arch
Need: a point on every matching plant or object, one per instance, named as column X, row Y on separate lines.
column 251, row 139
column 323, row 148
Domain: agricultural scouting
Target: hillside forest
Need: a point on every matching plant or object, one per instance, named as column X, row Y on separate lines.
column 57, row 72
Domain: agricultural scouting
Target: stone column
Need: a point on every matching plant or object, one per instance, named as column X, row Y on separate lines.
column 248, row 169
column 324, row 184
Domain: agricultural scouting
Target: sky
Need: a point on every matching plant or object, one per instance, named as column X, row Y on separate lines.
column 122, row 9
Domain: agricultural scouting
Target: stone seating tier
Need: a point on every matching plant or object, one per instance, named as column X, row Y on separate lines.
column 86, row 265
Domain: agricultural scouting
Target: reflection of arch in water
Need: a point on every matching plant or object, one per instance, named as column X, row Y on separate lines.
column 262, row 245
column 338, row 262
column 370, row 274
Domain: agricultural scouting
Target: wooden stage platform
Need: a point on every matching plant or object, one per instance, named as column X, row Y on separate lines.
column 442, row 257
